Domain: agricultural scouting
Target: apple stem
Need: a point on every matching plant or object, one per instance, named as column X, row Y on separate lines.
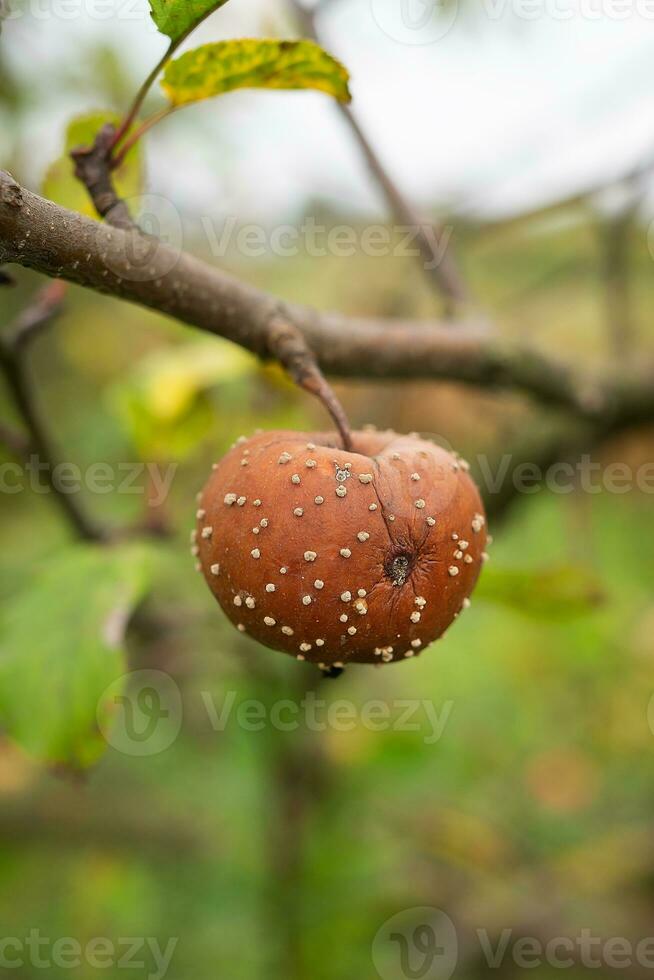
column 288, row 345
column 316, row 383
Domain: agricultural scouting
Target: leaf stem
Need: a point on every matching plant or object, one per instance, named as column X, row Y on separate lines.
column 118, row 158
column 140, row 97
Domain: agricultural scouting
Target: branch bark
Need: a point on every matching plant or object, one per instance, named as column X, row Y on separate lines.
column 93, row 169
column 285, row 342
column 129, row 265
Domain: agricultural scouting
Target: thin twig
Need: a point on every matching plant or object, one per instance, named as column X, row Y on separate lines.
column 615, row 233
column 45, row 308
column 432, row 239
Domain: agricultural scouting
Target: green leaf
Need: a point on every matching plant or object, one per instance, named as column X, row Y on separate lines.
column 553, row 591
column 227, row 65
column 62, row 186
column 177, row 18
column 62, row 644
column 164, row 401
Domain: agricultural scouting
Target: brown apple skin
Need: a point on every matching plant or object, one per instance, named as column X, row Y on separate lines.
column 411, row 519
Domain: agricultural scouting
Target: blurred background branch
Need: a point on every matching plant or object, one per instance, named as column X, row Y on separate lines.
column 435, row 246
column 14, row 344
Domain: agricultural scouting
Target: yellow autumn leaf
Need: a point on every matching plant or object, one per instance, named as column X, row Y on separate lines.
column 164, row 403
column 171, row 379
column 213, row 69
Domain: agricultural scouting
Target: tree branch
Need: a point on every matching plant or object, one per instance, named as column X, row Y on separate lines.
column 93, row 169
column 13, row 343
column 616, row 279
column 435, row 254
column 138, row 268
column 40, row 313
column 285, row 342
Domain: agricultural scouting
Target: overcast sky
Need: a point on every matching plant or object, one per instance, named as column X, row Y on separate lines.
column 492, row 111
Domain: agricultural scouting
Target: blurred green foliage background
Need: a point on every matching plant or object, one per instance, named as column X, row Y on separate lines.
column 280, row 854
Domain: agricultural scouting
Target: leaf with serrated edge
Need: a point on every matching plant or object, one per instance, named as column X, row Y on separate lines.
column 177, row 18
column 61, row 646
column 213, row 69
